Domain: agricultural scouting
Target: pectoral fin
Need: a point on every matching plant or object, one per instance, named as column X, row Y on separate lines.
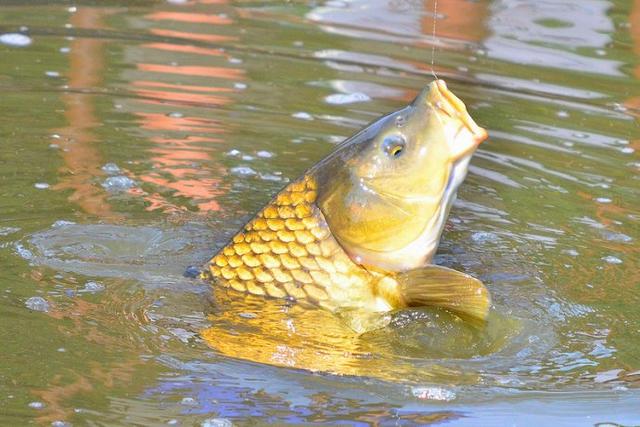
column 442, row 287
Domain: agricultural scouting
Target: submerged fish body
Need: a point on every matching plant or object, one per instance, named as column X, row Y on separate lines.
column 358, row 230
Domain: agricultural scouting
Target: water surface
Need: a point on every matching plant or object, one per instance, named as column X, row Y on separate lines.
column 138, row 136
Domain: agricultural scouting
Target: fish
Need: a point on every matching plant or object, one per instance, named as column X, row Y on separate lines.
column 357, row 232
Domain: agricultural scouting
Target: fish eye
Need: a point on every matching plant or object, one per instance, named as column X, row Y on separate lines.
column 394, row 145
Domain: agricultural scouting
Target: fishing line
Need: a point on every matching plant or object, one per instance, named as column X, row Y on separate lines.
column 433, row 39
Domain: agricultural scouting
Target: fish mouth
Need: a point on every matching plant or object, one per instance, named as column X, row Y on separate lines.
column 468, row 135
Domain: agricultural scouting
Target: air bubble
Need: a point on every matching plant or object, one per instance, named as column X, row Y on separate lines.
column 433, row 393
column 15, row 39
column 188, row 401
column 603, row 200
column 302, row 115
column 243, row 171
column 37, row 304
column 111, row 169
column 92, row 287
column 612, row 260
column 216, row 422
column 118, row 183
column 350, row 98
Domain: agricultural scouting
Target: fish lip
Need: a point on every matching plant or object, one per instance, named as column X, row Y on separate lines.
column 478, row 133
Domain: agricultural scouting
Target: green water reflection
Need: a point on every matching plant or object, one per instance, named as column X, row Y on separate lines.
column 137, row 137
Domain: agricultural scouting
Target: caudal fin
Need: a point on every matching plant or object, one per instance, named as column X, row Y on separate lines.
column 446, row 288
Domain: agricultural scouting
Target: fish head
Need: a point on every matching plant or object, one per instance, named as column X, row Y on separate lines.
column 386, row 192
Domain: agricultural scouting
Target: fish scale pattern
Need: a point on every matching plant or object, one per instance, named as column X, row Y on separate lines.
column 287, row 250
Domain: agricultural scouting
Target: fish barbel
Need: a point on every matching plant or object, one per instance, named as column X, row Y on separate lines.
column 359, row 229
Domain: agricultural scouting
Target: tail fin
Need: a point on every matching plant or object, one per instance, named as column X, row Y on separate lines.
column 445, row 288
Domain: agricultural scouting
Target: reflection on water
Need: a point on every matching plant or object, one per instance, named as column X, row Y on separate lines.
column 409, row 349
column 184, row 140
column 161, row 127
column 551, row 35
column 80, row 152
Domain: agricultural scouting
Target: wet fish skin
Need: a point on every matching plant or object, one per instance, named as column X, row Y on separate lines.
column 287, row 250
column 357, row 231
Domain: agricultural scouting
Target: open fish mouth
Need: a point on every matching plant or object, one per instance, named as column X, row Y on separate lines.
column 464, row 133
column 455, row 108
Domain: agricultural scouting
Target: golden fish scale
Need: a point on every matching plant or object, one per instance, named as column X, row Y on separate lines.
column 287, row 250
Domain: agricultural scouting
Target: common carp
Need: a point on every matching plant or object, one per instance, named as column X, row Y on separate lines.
column 358, row 230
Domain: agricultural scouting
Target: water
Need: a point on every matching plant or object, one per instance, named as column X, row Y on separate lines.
column 137, row 138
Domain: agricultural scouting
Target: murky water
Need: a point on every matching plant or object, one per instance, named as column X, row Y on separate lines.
column 136, row 137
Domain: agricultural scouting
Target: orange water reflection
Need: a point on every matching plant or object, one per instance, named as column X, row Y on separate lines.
column 183, row 154
column 81, row 154
column 464, row 20
column 83, row 161
column 184, row 150
column 180, row 162
column 211, row 38
column 199, row 18
column 193, row 70
column 184, row 49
